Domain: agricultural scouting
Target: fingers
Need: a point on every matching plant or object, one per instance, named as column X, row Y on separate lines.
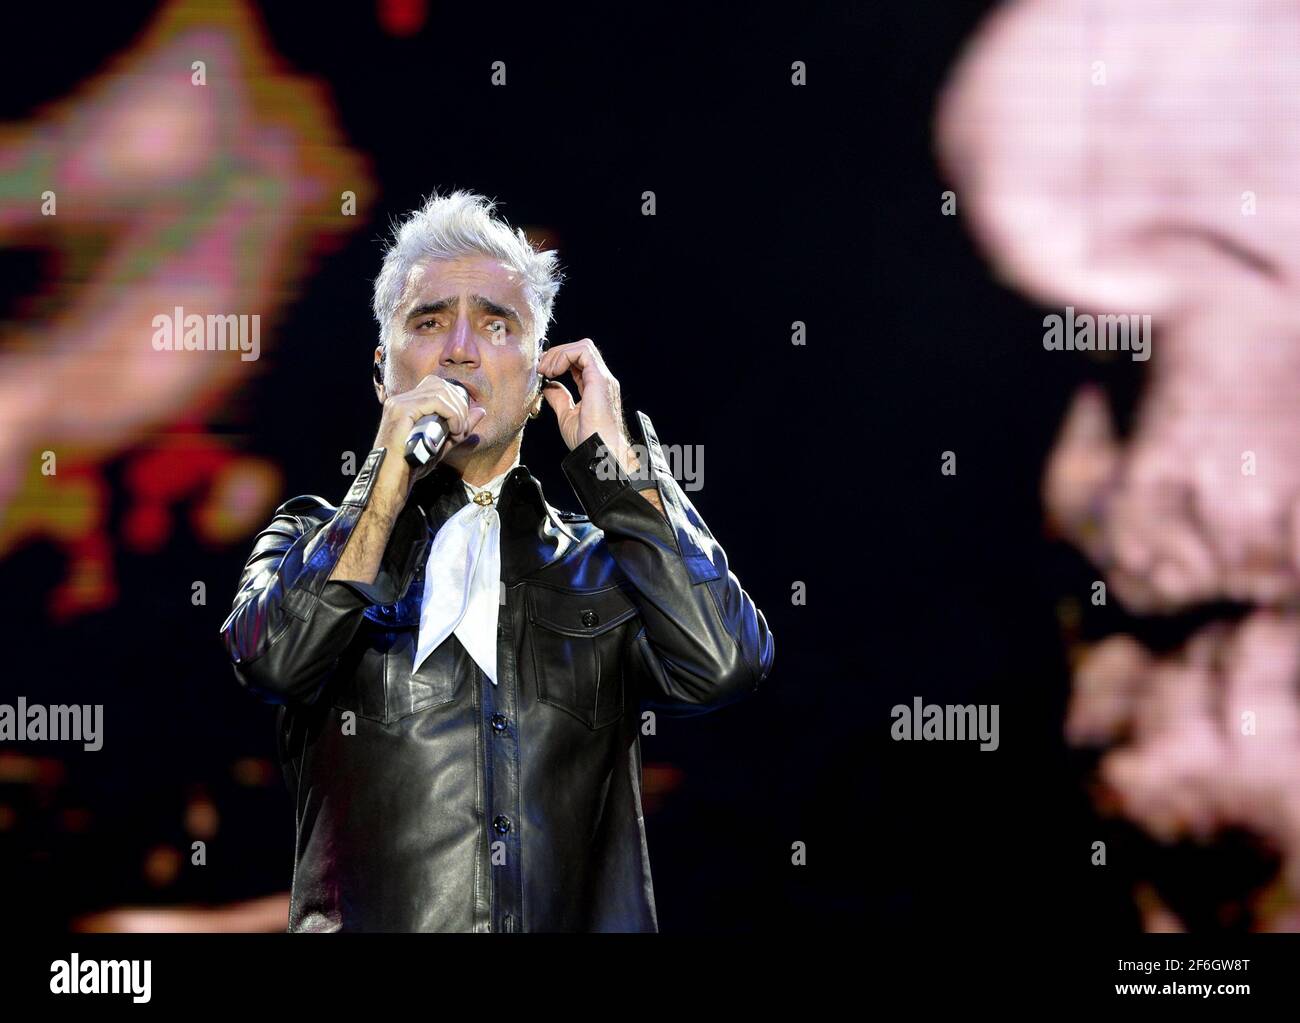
column 475, row 417
column 576, row 357
column 436, row 396
column 559, row 398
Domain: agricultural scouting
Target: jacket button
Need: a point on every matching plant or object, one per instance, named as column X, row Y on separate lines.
column 595, row 464
column 498, row 722
column 386, row 610
column 590, row 618
column 502, row 824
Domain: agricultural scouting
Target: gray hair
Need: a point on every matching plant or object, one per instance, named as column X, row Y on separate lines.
column 462, row 224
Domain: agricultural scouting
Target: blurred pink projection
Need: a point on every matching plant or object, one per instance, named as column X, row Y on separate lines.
column 1143, row 157
column 193, row 173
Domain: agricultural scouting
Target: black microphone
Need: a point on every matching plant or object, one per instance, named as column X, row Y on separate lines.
column 428, row 436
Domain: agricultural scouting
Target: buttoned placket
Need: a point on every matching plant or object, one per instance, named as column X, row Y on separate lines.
column 499, row 716
column 499, row 737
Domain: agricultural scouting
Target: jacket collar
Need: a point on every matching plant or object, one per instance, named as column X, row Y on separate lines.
column 532, row 533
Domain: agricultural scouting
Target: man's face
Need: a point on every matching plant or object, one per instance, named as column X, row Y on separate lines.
column 467, row 320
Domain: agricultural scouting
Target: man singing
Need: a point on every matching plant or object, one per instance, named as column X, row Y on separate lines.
column 461, row 668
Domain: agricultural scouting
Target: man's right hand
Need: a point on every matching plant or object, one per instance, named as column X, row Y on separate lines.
column 431, row 396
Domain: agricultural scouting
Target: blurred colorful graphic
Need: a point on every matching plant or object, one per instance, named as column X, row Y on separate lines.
column 1139, row 157
column 195, row 171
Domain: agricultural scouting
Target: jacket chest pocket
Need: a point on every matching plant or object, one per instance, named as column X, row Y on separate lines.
column 375, row 678
column 575, row 651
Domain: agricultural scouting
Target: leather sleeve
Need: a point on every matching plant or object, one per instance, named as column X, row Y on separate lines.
column 703, row 643
column 290, row 623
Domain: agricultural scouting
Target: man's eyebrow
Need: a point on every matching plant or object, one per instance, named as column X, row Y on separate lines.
column 480, row 302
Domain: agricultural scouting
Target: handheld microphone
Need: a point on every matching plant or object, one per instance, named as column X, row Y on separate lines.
column 428, row 436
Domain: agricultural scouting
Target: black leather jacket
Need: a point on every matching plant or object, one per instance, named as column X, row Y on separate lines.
column 442, row 802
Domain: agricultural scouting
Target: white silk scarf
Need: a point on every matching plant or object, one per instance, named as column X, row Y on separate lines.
column 462, row 580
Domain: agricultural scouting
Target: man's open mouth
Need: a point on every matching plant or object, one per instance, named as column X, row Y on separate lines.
column 470, row 389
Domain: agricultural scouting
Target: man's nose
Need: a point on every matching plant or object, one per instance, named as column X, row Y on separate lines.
column 462, row 346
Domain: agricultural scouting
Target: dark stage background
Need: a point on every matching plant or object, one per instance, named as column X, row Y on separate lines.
column 822, row 464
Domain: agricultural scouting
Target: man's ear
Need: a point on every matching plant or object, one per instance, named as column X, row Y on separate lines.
column 380, row 393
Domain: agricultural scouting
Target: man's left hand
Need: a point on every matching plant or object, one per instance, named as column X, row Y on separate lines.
column 599, row 408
